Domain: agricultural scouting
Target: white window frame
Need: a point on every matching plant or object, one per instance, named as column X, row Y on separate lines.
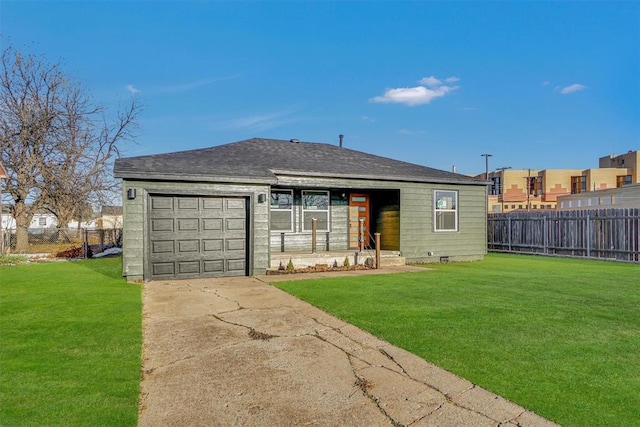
column 271, row 208
column 304, row 210
column 445, row 209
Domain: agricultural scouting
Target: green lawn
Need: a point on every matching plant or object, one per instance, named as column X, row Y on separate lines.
column 558, row 336
column 70, row 344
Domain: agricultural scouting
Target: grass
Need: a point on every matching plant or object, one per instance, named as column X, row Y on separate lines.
column 13, row 259
column 70, row 344
column 560, row 337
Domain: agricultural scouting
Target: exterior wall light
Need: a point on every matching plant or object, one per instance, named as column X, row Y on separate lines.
column 131, row 194
column 262, row 198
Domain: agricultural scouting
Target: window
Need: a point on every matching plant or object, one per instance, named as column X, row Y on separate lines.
column 578, row 184
column 605, row 200
column 496, row 186
column 623, row 180
column 445, row 210
column 537, row 186
column 42, row 221
column 281, row 210
column 315, row 204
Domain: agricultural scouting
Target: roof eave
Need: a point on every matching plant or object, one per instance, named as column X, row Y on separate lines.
column 399, row 178
column 146, row 176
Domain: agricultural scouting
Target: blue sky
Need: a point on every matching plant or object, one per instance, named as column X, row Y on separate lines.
column 538, row 85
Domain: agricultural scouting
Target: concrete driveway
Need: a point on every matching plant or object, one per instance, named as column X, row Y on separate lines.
column 239, row 352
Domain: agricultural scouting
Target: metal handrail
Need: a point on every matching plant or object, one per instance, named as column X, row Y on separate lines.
column 364, row 232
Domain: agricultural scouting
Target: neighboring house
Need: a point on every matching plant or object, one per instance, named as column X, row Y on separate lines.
column 223, row 210
column 623, row 197
column 42, row 219
column 110, row 217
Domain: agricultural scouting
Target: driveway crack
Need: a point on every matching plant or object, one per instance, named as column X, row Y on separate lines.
column 253, row 333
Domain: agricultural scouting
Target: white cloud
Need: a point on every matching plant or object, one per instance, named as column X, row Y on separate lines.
column 132, row 89
column 545, row 83
column 430, row 89
column 433, row 81
column 430, row 81
column 412, row 95
column 576, row 87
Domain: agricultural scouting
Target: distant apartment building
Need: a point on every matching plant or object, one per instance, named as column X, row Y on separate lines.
column 627, row 196
column 529, row 189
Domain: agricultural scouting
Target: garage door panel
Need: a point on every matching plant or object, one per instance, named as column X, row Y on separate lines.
column 162, row 203
column 188, row 246
column 162, row 247
column 164, row 224
column 163, row 269
column 212, row 224
column 212, row 203
column 235, row 224
column 188, row 203
column 212, row 245
column 194, row 236
column 188, row 267
column 188, row 224
column 234, row 265
column 235, row 204
column 213, row 266
column 235, row 244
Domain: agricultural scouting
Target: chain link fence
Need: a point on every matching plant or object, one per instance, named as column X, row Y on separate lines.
column 65, row 242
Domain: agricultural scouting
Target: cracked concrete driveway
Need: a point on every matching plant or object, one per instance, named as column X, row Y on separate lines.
column 239, row 352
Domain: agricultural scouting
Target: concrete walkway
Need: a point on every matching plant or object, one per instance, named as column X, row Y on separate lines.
column 239, row 352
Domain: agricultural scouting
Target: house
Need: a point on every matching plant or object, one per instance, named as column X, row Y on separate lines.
column 41, row 219
column 224, row 210
column 110, row 217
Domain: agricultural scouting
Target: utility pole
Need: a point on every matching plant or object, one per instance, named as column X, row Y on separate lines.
column 528, row 190
column 501, row 189
column 486, row 165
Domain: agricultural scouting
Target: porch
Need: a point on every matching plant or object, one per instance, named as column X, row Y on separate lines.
column 331, row 258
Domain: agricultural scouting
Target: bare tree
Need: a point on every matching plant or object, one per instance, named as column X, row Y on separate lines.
column 56, row 144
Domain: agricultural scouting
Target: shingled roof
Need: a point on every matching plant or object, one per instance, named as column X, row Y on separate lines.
column 263, row 160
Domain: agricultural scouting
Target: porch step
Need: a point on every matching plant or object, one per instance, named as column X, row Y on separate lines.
column 390, row 261
column 302, row 260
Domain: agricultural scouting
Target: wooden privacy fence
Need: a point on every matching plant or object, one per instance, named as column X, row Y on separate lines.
column 599, row 233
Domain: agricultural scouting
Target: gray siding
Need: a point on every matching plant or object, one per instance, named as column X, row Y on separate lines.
column 417, row 235
column 418, row 240
column 298, row 240
column 136, row 214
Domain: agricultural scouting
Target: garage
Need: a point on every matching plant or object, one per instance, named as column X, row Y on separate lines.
column 197, row 236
